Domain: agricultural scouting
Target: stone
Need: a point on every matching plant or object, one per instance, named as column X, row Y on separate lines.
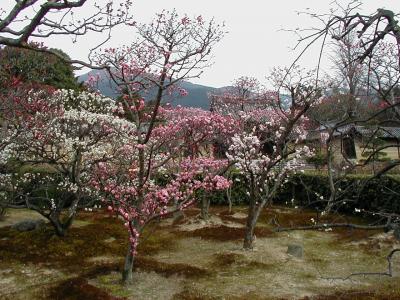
column 295, row 250
column 28, row 225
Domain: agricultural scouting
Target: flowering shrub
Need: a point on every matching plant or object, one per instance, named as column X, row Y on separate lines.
column 129, row 185
column 139, row 205
column 268, row 148
column 183, row 131
column 67, row 133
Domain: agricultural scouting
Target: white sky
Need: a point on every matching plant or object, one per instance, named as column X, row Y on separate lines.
column 255, row 42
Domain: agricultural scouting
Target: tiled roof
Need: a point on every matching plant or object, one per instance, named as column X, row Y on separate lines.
column 383, row 132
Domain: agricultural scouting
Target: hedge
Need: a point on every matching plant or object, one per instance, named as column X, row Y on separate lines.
column 306, row 190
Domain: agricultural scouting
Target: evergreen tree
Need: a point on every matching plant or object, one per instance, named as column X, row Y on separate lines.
column 31, row 66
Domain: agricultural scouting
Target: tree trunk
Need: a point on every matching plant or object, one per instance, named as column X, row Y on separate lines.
column 229, row 197
column 72, row 212
column 67, row 224
column 178, row 214
column 127, row 272
column 331, row 175
column 250, row 225
column 60, row 227
column 205, row 204
column 2, row 212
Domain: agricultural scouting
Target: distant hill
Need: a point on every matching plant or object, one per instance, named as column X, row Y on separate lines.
column 197, row 94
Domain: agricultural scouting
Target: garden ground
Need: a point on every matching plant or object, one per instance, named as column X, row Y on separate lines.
column 192, row 259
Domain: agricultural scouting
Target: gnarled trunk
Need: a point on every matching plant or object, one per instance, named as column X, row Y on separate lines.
column 59, row 228
column 61, row 225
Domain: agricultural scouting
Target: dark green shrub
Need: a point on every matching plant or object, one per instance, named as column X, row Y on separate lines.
column 239, row 194
column 312, row 191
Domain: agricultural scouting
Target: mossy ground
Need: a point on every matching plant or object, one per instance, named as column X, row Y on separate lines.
column 200, row 261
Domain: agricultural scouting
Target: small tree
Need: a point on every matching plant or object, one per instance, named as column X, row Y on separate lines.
column 268, row 150
column 57, row 138
column 167, row 51
column 265, row 171
column 171, row 180
column 244, row 95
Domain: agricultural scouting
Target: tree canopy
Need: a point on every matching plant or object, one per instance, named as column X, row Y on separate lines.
column 31, row 66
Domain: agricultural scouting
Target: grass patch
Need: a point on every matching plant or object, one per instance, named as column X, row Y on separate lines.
column 183, row 216
column 43, row 246
column 112, row 284
column 206, row 263
column 285, row 217
column 224, row 233
column 387, row 291
column 179, row 220
column 167, row 269
column 352, row 235
column 226, row 259
column 78, row 288
column 230, row 218
column 155, row 240
column 192, row 294
column 252, row 265
column 289, row 217
column 226, row 213
column 250, row 295
column 102, row 236
column 191, row 212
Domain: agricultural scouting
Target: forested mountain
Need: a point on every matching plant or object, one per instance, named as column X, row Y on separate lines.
column 197, row 94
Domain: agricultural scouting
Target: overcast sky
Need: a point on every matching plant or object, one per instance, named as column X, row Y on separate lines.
column 255, row 41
